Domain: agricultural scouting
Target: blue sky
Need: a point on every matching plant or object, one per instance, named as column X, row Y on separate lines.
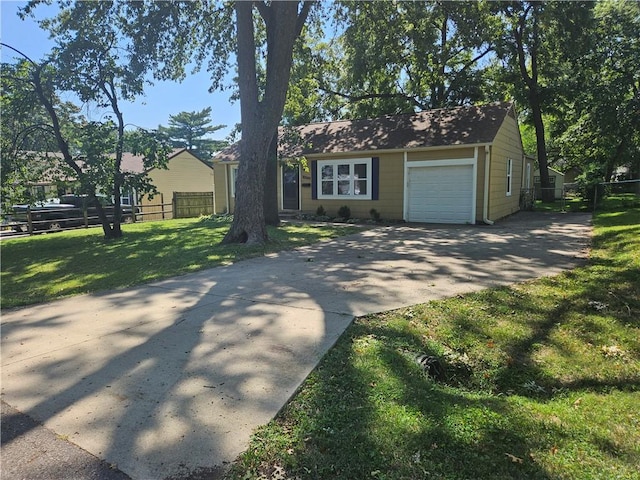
column 160, row 100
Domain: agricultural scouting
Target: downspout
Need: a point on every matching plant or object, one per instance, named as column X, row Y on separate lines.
column 485, row 200
column 405, row 190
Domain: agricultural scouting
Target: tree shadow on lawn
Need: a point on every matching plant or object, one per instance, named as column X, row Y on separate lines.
column 369, row 411
column 395, row 423
column 58, row 267
column 136, row 367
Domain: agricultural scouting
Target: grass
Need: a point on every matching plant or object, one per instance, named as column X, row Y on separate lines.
column 46, row 267
column 542, row 382
column 570, row 204
column 618, row 201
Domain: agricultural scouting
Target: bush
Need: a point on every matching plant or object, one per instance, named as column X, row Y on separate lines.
column 320, row 212
column 375, row 215
column 344, row 212
column 589, row 185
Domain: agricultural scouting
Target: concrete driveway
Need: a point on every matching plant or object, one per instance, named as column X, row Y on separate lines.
column 171, row 378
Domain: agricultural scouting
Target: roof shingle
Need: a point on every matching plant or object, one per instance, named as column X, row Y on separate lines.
column 431, row 128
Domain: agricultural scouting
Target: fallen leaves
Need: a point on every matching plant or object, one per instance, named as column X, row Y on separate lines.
column 613, row 351
column 513, row 458
column 598, row 306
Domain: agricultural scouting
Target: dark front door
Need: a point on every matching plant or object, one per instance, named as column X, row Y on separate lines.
column 290, row 188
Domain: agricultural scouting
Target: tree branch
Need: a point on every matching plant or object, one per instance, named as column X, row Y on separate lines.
column 370, row 96
column 302, row 16
column 265, row 12
column 19, row 53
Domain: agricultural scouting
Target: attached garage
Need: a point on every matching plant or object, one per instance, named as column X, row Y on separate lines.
column 441, row 191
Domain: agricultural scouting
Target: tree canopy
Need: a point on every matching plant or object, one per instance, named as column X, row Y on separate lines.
column 190, row 130
column 88, row 60
column 598, row 127
column 572, row 67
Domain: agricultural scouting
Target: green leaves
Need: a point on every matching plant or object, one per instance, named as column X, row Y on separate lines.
column 189, row 129
column 601, row 127
column 401, row 56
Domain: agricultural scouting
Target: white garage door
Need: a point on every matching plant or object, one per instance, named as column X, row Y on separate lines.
column 441, row 194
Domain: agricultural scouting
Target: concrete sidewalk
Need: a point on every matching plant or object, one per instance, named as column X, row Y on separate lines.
column 170, row 378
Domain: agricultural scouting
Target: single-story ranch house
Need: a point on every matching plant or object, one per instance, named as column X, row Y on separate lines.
column 459, row 165
column 185, row 173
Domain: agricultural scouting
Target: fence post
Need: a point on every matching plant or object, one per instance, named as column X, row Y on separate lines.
column 162, row 204
column 29, row 220
column 174, row 205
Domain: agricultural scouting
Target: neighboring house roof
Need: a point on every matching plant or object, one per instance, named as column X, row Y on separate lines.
column 50, row 166
column 130, row 163
column 467, row 125
column 133, row 163
column 550, row 170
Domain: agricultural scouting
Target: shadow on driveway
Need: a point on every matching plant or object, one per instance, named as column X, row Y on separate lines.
column 171, row 378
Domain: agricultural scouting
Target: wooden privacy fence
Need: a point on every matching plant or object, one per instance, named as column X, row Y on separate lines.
column 192, row 204
column 182, row 205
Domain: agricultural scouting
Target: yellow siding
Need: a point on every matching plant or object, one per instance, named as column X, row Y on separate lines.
column 391, row 182
column 440, row 154
column 507, row 144
column 480, row 185
column 389, row 204
column 223, row 197
column 185, row 173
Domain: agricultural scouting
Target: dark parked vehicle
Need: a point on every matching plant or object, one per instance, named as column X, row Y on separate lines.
column 71, row 211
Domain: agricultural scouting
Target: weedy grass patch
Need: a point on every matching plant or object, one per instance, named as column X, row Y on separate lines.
column 46, row 267
column 542, row 380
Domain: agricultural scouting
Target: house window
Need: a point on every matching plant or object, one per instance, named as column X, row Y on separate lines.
column 37, row 192
column 509, row 175
column 125, row 198
column 344, row 179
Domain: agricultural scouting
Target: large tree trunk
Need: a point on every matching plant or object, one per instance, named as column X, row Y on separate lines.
column 260, row 113
column 249, row 225
column 548, row 193
column 271, row 210
column 532, row 88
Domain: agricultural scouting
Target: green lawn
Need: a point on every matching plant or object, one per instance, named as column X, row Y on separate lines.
column 572, row 204
column 45, row 267
column 542, row 381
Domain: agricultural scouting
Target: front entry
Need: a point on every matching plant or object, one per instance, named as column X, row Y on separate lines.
column 290, row 188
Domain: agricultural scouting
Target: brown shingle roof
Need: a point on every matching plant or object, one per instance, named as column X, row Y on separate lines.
column 455, row 126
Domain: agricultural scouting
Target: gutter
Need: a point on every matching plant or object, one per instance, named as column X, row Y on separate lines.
column 485, row 200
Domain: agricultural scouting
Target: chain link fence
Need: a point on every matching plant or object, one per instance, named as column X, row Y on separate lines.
column 625, row 193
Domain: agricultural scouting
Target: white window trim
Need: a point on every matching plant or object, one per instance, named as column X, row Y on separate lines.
column 346, row 161
column 233, row 176
column 509, row 176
